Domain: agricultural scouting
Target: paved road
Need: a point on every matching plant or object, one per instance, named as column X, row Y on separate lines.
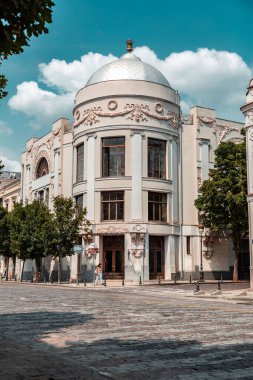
column 52, row 333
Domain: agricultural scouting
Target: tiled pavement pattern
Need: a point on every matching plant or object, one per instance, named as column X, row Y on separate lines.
column 52, row 333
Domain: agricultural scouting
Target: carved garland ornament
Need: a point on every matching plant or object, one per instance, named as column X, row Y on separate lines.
column 33, row 150
column 135, row 112
column 221, row 130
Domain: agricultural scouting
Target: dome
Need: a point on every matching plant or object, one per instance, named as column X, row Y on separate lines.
column 128, row 67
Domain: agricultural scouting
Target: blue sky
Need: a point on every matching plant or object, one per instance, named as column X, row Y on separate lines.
column 203, row 48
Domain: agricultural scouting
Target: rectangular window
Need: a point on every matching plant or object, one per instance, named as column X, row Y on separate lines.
column 157, row 207
column 156, row 158
column 79, row 162
column 113, row 156
column 79, row 203
column 113, row 205
column 188, row 245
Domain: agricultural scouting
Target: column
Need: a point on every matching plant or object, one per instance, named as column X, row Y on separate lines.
column 136, row 160
column 174, row 175
column 56, row 173
column 91, row 177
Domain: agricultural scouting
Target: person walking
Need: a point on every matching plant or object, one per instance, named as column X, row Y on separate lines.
column 98, row 274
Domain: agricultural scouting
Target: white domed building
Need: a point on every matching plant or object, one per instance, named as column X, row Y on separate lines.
column 136, row 163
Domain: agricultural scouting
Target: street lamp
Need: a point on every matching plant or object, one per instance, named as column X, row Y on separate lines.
column 201, row 273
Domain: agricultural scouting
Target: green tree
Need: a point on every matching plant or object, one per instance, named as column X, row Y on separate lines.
column 20, row 20
column 1, row 164
column 69, row 224
column 30, row 226
column 223, row 202
column 5, row 237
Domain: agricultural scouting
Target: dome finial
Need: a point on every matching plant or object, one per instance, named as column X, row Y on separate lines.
column 129, row 45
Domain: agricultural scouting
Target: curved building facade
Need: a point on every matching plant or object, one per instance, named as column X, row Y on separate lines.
column 126, row 149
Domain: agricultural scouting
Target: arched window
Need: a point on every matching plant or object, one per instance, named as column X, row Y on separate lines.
column 42, row 168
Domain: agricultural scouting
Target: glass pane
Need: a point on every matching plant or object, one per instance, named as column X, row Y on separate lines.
column 105, row 161
column 108, row 261
column 113, row 161
column 106, row 196
column 164, row 213
column 112, row 211
column 120, row 210
column 150, row 211
column 118, row 261
column 156, row 163
column 159, row 261
column 157, row 216
column 150, row 196
column 105, row 211
column 162, row 164
column 150, row 162
column 121, row 161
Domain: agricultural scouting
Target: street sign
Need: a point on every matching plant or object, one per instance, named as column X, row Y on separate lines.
column 78, row 249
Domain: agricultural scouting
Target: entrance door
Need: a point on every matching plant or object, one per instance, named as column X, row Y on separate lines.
column 156, row 257
column 113, row 257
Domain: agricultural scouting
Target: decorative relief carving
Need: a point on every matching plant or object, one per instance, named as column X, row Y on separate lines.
column 112, row 105
column 111, row 230
column 236, row 140
column 91, row 135
column 249, row 118
column 33, row 150
column 222, row 131
column 136, row 132
column 251, row 135
column 135, row 112
column 205, row 120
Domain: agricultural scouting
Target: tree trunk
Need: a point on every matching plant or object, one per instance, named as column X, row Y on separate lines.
column 37, row 270
column 7, row 269
column 14, row 267
column 22, row 272
column 235, row 273
column 237, row 250
column 59, row 269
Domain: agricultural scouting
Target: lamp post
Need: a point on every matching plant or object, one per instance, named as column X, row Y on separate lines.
column 201, row 273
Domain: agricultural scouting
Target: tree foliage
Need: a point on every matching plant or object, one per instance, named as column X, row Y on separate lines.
column 223, row 202
column 4, row 233
column 1, row 164
column 69, row 224
column 20, row 20
column 30, row 227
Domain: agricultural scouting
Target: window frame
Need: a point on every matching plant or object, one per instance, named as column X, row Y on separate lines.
column 152, row 203
column 79, row 178
column 164, row 174
column 110, row 146
column 112, row 201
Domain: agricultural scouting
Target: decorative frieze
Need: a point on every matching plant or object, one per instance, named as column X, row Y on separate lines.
column 111, row 230
column 134, row 112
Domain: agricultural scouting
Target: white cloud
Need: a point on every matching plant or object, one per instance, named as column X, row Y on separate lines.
column 43, row 106
column 4, row 130
column 72, row 76
column 210, row 78
column 10, row 165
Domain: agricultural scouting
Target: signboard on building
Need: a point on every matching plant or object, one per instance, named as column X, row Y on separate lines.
column 78, row 249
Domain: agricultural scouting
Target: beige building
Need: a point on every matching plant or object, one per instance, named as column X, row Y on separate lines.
column 247, row 110
column 136, row 163
column 10, row 187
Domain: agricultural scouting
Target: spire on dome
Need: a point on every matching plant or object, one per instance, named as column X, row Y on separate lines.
column 129, row 45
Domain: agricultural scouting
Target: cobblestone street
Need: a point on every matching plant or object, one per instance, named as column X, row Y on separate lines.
column 55, row 333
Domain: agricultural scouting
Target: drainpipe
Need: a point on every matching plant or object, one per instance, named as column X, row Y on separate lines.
column 181, row 197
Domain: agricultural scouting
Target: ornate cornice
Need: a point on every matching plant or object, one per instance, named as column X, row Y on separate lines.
column 134, row 112
column 221, row 131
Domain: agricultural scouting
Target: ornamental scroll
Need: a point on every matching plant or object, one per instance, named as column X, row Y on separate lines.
column 134, row 112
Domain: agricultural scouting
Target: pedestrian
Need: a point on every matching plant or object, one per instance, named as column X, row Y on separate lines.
column 98, row 274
